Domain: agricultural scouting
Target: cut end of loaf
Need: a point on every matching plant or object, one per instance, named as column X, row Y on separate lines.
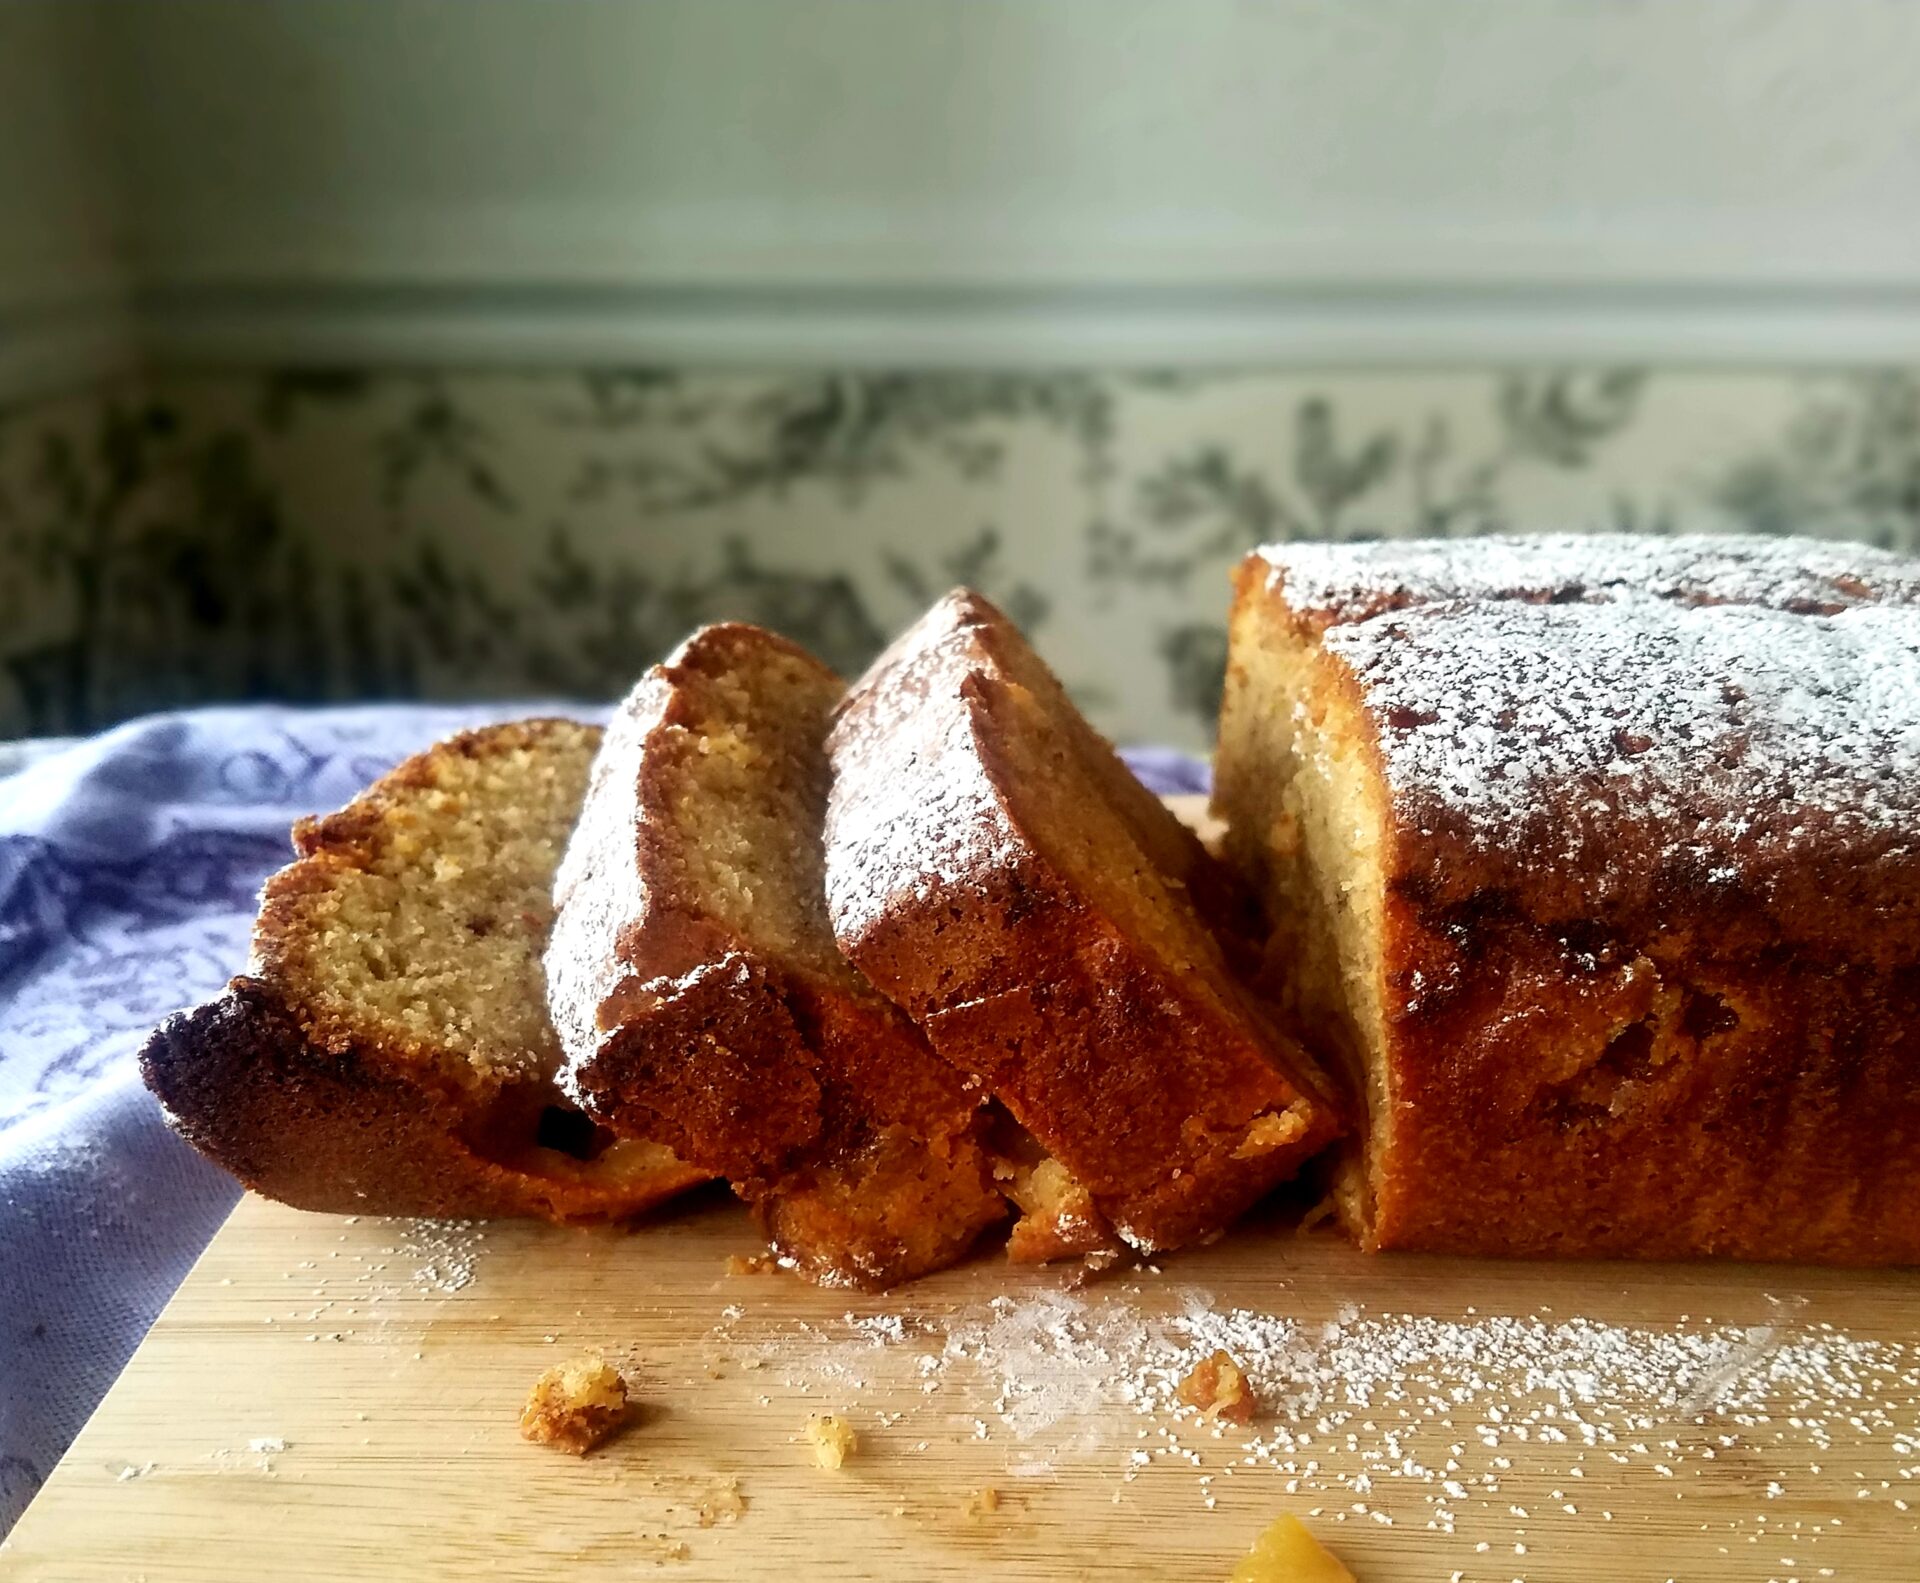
column 416, row 920
column 895, row 1207
column 1296, row 779
column 389, row 1048
column 1058, row 1216
column 742, row 790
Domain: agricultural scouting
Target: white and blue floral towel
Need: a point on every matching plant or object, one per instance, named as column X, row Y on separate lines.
column 128, row 870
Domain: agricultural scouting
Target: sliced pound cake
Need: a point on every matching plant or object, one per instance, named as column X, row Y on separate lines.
column 387, row 1050
column 1058, row 935
column 700, row 996
column 1597, row 863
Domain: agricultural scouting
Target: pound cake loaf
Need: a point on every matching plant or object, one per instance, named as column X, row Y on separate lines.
column 387, row 1049
column 701, row 998
column 1057, row 934
column 1595, row 862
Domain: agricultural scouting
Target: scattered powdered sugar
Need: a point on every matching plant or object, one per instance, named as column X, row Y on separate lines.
column 1336, row 583
column 437, row 1255
column 1308, row 1371
column 257, row 1458
column 360, row 1287
column 1054, row 1358
column 1393, row 1416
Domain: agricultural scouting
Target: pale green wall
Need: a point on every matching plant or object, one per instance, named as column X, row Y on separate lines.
column 1070, row 140
column 61, row 236
column 981, row 182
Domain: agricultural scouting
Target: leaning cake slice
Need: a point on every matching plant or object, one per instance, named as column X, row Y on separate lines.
column 700, row 995
column 1596, row 862
column 1058, row 935
column 387, row 1049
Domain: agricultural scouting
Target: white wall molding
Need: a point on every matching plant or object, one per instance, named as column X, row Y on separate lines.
column 1296, row 324
column 54, row 343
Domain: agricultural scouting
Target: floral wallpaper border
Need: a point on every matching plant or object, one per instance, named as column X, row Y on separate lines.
column 319, row 534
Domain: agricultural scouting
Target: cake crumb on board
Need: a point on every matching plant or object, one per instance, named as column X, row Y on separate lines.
column 833, row 1440
column 1219, row 1389
column 723, row 1504
column 751, row 1264
column 983, row 1503
column 662, row 1548
column 576, row 1405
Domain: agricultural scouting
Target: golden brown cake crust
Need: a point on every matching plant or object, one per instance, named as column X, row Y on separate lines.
column 1106, row 1020
column 699, row 993
column 342, row 1132
column 329, row 1112
column 1651, row 942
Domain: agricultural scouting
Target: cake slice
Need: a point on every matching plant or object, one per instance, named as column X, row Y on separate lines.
column 1594, row 861
column 1058, row 935
column 700, row 996
column 387, row 1049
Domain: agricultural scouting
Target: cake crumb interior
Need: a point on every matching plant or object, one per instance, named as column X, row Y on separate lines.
column 1296, row 781
column 436, row 907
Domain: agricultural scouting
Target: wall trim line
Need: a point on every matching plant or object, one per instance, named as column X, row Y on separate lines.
column 1293, row 324
column 59, row 343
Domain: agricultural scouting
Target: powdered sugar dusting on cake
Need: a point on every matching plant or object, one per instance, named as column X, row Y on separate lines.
column 913, row 812
column 1336, row 583
column 1719, row 730
column 599, row 887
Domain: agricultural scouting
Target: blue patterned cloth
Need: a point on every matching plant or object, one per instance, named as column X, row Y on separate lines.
column 129, row 865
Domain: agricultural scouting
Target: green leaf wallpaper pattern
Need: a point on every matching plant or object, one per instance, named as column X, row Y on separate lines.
column 316, row 534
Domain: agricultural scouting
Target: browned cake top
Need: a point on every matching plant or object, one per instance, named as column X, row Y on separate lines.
column 1613, row 707
column 1326, row 584
column 1606, row 744
column 598, row 885
column 943, row 826
column 917, row 809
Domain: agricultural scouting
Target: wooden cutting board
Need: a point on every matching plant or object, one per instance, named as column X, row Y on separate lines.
column 338, row 1399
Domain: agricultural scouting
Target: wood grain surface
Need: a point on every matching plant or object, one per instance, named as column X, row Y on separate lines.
column 337, row 1400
